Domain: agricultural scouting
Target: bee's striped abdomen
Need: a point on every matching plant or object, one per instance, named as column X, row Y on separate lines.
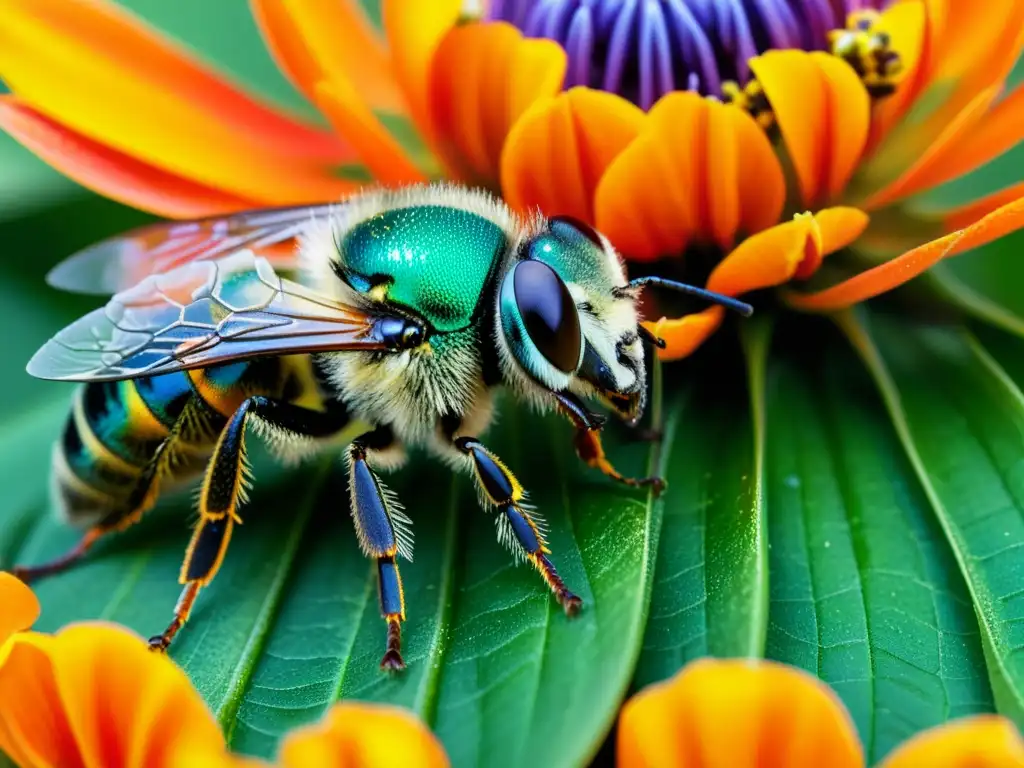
column 113, row 430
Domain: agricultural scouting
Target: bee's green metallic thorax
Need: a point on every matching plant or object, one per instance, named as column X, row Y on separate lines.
column 435, row 259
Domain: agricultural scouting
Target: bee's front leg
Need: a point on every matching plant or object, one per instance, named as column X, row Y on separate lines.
column 519, row 529
column 587, row 442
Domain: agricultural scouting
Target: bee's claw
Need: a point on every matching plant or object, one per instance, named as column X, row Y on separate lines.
column 392, row 661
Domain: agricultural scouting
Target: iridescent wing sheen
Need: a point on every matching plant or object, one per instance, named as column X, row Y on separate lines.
column 120, row 262
column 201, row 314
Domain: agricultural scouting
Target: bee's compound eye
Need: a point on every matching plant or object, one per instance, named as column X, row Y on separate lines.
column 548, row 313
column 562, row 225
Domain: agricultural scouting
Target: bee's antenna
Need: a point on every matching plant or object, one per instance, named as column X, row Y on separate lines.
column 726, row 301
column 650, row 338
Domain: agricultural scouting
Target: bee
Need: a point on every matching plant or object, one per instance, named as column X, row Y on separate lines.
column 408, row 310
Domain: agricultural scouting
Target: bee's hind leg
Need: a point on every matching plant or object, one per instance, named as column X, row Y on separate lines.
column 224, row 488
column 142, row 498
column 517, row 528
column 384, row 533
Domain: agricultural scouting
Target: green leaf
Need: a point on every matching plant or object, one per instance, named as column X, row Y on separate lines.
column 960, row 418
column 291, row 623
column 710, row 583
column 865, row 592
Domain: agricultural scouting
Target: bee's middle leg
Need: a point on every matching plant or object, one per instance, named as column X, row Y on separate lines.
column 518, row 528
column 223, row 491
column 384, row 534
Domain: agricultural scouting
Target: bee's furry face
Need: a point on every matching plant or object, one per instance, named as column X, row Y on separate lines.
column 567, row 320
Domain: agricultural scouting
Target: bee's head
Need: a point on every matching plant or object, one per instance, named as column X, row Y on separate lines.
column 568, row 319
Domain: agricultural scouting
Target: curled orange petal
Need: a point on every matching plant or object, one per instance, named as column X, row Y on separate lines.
column 737, row 714
column 97, row 70
column 483, row 77
column 824, row 121
column 95, row 695
column 986, row 741
column 112, row 173
column 896, row 272
column 558, row 150
column 313, row 41
column 363, row 735
column 19, row 607
column 414, row 30
column 700, row 171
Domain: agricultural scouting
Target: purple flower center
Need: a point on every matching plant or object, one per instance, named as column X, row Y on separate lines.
column 643, row 49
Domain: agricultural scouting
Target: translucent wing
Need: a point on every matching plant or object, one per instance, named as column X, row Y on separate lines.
column 120, row 262
column 204, row 313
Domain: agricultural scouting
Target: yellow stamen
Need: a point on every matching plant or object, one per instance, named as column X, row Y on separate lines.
column 868, row 49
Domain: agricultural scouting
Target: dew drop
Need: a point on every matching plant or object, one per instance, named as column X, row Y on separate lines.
column 792, row 481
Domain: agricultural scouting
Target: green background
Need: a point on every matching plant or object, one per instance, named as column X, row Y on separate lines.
column 863, row 522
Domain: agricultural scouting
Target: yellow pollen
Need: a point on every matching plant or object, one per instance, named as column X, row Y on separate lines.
column 866, row 47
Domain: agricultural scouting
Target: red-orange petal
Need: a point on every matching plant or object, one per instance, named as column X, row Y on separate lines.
column 971, row 48
column 414, row 29
column 363, row 735
column 683, row 335
column 558, row 150
column 965, row 215
column 19, row 607
column 911, row 29
column 824, row 121
column 99, row 71
column 985, row 741
column 112, row 173
column 1001, row 129
column 483, row 77
column 700, row 171
column 737, row 714
column 897, row 271
column 312, row 41
column 377, row 149
column 930, row 166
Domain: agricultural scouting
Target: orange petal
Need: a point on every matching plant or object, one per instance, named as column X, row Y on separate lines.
column 965, row 215
column 699, row 171
column 897, row 271
column 112, row 173
column 986, row 741
column 377, row 149
column 794, row 249
column 312, row 40
column 414, row 30
column 20, row 608
column 824, row 121
column 102, row 699
column 483, row 77
column 358, row 735
column 929, row 169
column 737, row 714
column 557, row 151
column 97, row 70
column 34, row 728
